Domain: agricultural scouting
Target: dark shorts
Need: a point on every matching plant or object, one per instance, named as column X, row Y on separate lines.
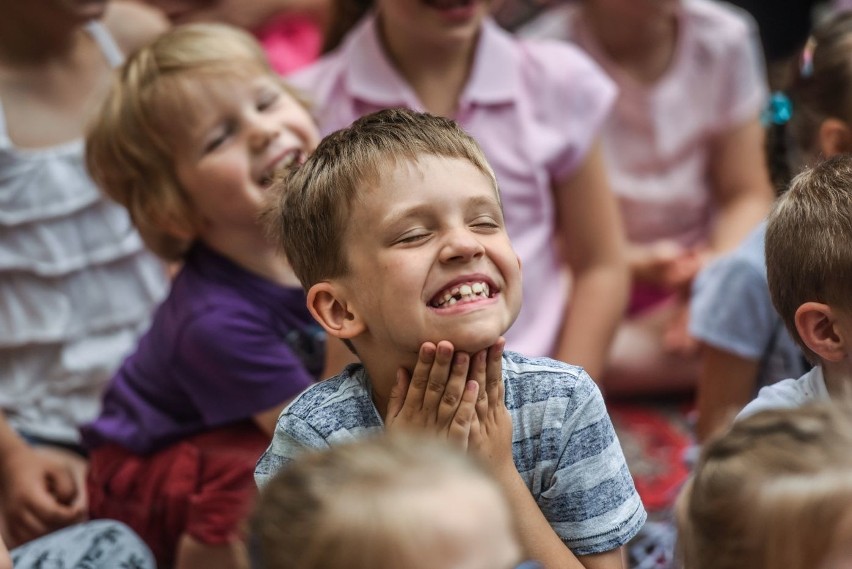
column 202, row 486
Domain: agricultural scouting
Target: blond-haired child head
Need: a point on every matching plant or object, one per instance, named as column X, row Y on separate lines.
column 387, row 502
column 772, row 492
column 161, row 118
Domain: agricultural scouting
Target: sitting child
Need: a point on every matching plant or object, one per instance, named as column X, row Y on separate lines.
column 809, row 269
column 191, row 135
column 396, row 229
column 386, row 502
column 745, row 345
column 772, row 492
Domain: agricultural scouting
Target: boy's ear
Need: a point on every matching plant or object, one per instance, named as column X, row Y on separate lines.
column 816, row 324
column 835, row 137
column 327, row 304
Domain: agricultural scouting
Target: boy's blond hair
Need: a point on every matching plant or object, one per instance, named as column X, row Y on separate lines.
column 350, row 506
column 132, row 142
column 775, row 491
column 308, row 210
column 809, row 242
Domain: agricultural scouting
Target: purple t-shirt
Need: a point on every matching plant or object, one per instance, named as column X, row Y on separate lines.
column 225, row 345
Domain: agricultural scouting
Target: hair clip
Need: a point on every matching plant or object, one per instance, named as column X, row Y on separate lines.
column 807, row 67
column 778, row 110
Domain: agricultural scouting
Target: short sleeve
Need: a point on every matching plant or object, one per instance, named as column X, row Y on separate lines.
column 590, row 501
column 731, row 308
column 292, row 437
column 235, row 365
column 571, row 99
column 744, row 88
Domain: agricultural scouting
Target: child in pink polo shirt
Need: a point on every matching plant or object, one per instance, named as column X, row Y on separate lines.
column 684, row 150
column 536, row 109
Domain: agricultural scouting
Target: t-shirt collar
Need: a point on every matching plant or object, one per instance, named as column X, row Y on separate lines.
column 371, row 77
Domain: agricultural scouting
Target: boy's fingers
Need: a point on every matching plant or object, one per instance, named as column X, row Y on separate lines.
column 439, row 375
column 396, row 399
column 478, row 373
column 460, row 426
column 416, row 391
column 454, row 390
column 494, row 389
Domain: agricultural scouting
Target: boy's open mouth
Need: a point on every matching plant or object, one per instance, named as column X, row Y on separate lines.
column 461, row 293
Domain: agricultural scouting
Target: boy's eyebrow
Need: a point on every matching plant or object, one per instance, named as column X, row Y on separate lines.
column 428, row 210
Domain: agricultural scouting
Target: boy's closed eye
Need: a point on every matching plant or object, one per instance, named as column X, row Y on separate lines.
column 487, row 223
column 413, row 236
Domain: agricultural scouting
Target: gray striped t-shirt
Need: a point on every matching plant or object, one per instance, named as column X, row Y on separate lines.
column 563, row 444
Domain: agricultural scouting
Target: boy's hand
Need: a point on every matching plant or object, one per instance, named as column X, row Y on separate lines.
column 491, row 435
column 438, row 397
column 40, row 494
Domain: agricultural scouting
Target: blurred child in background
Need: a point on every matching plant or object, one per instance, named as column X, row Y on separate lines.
column 192, row 134
column 77, row 286
column 684, row 151
column 774, row 491
column 745, row 345
column 384, row 503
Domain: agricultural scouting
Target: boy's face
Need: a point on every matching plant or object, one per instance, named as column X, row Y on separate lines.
column 429, row 258
column 247, row 129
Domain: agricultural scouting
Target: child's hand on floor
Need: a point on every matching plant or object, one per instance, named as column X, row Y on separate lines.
column 437, row 396
column 491, row 434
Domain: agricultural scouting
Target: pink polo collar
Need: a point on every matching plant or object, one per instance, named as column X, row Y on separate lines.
column 371, row 77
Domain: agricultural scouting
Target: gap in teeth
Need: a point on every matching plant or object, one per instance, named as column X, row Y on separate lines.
column 463, row 293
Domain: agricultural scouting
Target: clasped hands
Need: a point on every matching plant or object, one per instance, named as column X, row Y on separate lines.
column 458, row 396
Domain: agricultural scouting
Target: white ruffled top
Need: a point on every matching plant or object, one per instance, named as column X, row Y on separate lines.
column 77, row 286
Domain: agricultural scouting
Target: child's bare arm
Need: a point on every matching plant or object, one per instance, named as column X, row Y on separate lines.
column 726, row 382
column 592, row 240
column 438, row 397
column 743, row 192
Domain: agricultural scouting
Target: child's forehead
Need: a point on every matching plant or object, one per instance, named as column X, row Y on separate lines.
column 390, row 172
column 187, row 100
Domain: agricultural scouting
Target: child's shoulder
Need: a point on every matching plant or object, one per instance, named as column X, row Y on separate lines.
column 343, row 398
column 719, row 22
column 533, row 381
column 789, row 393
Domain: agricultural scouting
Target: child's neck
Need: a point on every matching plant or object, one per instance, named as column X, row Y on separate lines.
column 437, row 74
column 644, row 52
column 253, row 252
column 382, row 368
column 838, row 378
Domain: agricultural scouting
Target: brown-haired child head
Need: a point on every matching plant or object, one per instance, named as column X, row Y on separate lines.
column 395, row 227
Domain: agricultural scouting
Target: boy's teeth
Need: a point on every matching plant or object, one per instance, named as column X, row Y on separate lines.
column 463, row 293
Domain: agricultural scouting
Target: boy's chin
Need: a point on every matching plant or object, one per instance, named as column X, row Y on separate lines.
column 469, row 343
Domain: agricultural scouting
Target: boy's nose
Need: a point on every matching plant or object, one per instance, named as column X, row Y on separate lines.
column 461, row 245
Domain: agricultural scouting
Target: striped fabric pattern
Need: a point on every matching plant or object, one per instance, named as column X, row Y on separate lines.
column 564, row 445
